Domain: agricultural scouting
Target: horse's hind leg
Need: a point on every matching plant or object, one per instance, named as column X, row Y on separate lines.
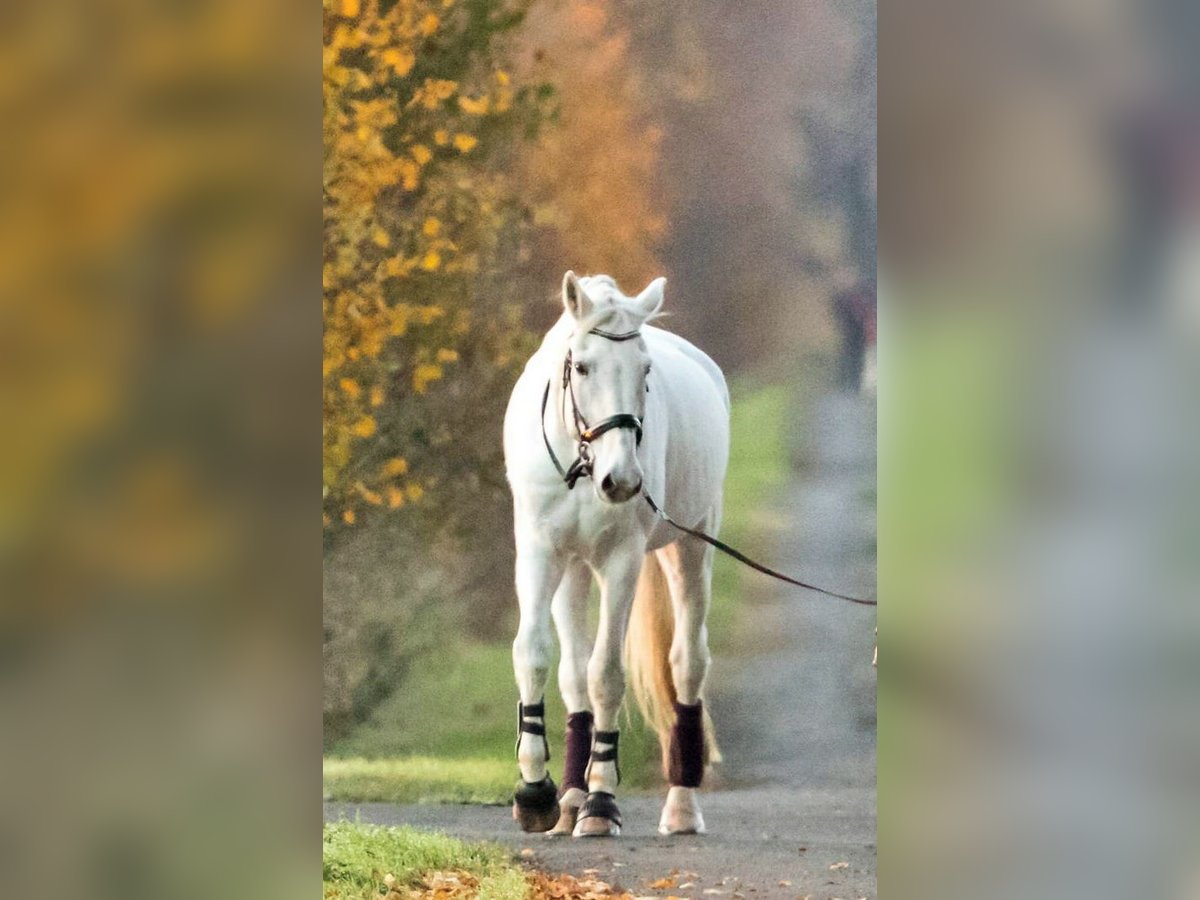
column 575, row 646
column 687, row 564
column 535, row 802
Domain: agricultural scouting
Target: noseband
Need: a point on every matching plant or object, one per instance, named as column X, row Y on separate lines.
column 582, row 466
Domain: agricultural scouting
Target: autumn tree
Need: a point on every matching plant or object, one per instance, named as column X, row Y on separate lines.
column 420, row 223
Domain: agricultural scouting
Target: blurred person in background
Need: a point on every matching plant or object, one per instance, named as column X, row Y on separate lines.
column 854, row 310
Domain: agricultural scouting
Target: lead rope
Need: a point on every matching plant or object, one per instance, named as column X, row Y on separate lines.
column 743, row 558
column 582, row 466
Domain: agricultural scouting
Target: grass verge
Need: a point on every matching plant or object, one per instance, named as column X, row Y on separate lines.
column 358, row 860
column 419, row 779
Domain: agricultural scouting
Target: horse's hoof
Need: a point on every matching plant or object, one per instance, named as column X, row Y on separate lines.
column 681, row 813
column 598, row 817
column 568, row 811
column 535, row 805
column 596, row 828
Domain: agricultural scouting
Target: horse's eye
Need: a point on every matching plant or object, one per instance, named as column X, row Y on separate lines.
column 581, row 368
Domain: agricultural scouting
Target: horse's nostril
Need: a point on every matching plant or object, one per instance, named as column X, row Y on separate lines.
column 607, row 485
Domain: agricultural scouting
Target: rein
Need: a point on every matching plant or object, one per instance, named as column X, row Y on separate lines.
column 582, row 466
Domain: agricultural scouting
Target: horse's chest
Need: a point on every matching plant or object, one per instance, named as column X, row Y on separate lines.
column 580, row 525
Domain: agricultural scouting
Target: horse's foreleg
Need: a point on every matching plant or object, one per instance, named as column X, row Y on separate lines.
column 538, row 574
column 688, row 568
column 606, row 689
column 575, row 647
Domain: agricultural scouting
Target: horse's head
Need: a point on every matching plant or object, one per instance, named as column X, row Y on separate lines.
column 609, row 374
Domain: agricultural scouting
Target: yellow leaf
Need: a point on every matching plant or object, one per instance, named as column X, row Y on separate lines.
column 415, row 492
column 376, row 396
column 325, row 520
column 477, row 107
column 348, row 516
column 400, row 61
column 465, row 142
column 409, row 174
column 441, row 137
column 397, row 267
column 364, row 427
column 447, row 356
column 421, row 154
column 397, row 465
column 370, row 496
column 350, row 8
column 380, row 237
column 423, row 375
column 434, row 91
column 502, row 77
column 432, row 227
column 395, row 498
column 350, row 386
column 429, row 24
column 432, row 260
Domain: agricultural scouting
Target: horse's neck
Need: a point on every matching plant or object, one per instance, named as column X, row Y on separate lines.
column 555, row 340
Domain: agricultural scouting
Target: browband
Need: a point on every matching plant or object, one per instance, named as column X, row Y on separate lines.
column 612, row 336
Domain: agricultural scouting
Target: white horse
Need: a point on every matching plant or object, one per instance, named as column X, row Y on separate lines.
column 637, row 409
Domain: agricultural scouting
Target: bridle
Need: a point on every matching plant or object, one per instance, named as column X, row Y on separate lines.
column 582, row 466
column 587, row 433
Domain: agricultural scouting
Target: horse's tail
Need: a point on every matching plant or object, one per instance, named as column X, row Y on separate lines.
column 647, row 659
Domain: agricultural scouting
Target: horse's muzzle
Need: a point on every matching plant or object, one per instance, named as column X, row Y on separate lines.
column 618, row 492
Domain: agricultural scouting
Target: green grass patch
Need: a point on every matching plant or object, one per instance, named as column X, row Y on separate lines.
column 419, row 779
column 447, row 733
column 358, row 857
column 758, row 466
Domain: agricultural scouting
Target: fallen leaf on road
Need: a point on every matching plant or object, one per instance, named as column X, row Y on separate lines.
column 839, row 865
column 785, row 884
column 663, row 883
column 527, row 852
column 567, row 887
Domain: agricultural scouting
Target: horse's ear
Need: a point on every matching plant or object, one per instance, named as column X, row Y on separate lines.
column 576, row 301
column 651, row 299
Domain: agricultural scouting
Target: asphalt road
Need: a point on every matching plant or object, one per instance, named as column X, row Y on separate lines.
column 791, row 812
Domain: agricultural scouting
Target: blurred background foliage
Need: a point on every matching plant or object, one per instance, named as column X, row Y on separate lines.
column 475, row 150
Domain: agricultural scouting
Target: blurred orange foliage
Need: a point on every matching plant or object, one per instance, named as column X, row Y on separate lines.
column 593, row 179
